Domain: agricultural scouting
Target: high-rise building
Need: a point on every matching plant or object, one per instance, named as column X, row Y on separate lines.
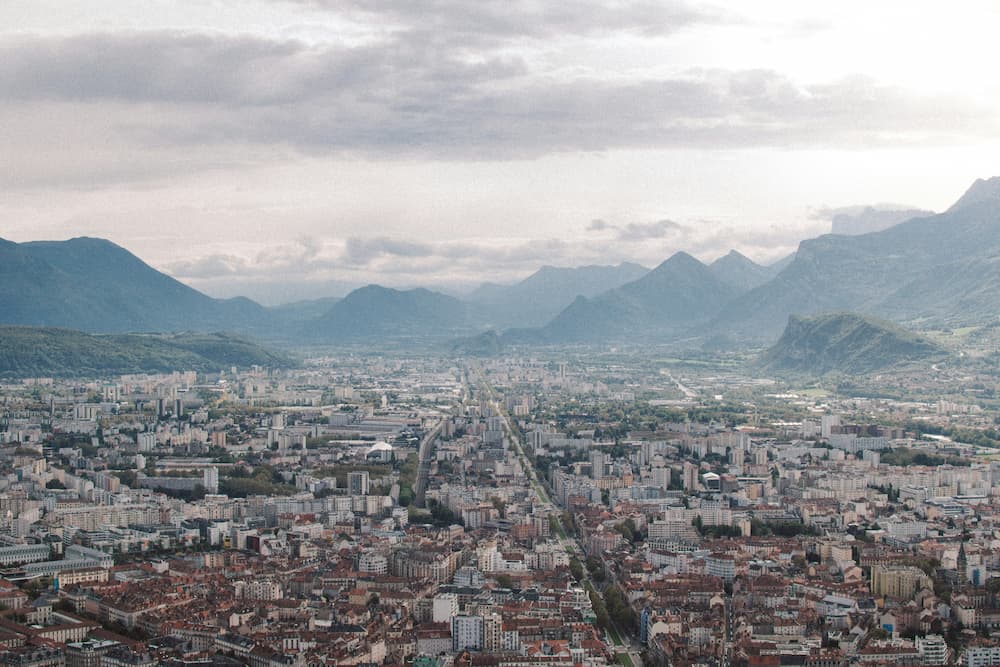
column 147, row 442
column 210, row 480
column 358, row 483
column 690, row 476
column 598, row 464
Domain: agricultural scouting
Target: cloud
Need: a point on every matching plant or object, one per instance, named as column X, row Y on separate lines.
column 864, row 219
column 831, row 213
column 519, row 20
column 359, row 252
column 636, row 232
column 160, row 96
column 275, row 261
column 407, row 262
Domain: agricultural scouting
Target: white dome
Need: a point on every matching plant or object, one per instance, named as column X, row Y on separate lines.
column 380, row 446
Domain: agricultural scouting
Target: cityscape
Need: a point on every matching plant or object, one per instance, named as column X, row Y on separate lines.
column 464, row 333
column 583, row 509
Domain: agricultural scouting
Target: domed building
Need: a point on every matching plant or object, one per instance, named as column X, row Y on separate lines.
column 380, row 452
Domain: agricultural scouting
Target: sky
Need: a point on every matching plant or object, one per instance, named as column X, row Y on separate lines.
column 292, row 149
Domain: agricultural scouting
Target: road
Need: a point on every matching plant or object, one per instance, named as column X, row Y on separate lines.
column 424, row 457
column 688, row 392
column 627, row 654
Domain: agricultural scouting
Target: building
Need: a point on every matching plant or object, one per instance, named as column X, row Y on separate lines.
column 445, row 607
column 24, row 553
column 467, row 633
column 259, row 589
column 88, row 653
column 932, row 649
column 373, row 563
column 358, row 483
column 981, row 656
column 723, row 566
column 210, row 480
column 32, row 656
column 899, row 581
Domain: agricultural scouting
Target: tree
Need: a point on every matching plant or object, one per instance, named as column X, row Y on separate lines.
column 627, row 529
column 499, row 505
column 596, row 568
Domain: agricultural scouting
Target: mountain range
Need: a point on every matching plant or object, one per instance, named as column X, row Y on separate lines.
column 931, row 270
column 534, row 301
column 910, row 273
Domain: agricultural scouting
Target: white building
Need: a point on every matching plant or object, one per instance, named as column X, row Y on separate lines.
column 210, row 480
column 932, row 649
column 467, row 633
column 445, row 607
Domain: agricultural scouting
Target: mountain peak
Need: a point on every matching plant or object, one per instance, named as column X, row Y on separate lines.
column 679, row 259
column 980, row 192
column 739, row 271
column 733, row 257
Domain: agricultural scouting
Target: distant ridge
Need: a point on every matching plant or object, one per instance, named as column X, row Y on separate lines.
column 45, row 351
column 538, row 298
column 677, row 294
column 844, row 343
column 381, row 312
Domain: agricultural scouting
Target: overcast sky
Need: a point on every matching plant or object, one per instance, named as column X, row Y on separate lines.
column 285, row 148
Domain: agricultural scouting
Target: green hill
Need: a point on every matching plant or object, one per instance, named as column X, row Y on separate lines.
column 38, row 351
column 844, row 343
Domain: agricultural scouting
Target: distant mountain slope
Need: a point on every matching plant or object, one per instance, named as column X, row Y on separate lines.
column 95, row 285
column 677, row 294
column 297, row 313
column 541, row 296
column 737, row 270
column 844, row 343
column 40, row 351
column 376, row 311
column 960, row 293
column 777, row 267
column 910, row 271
